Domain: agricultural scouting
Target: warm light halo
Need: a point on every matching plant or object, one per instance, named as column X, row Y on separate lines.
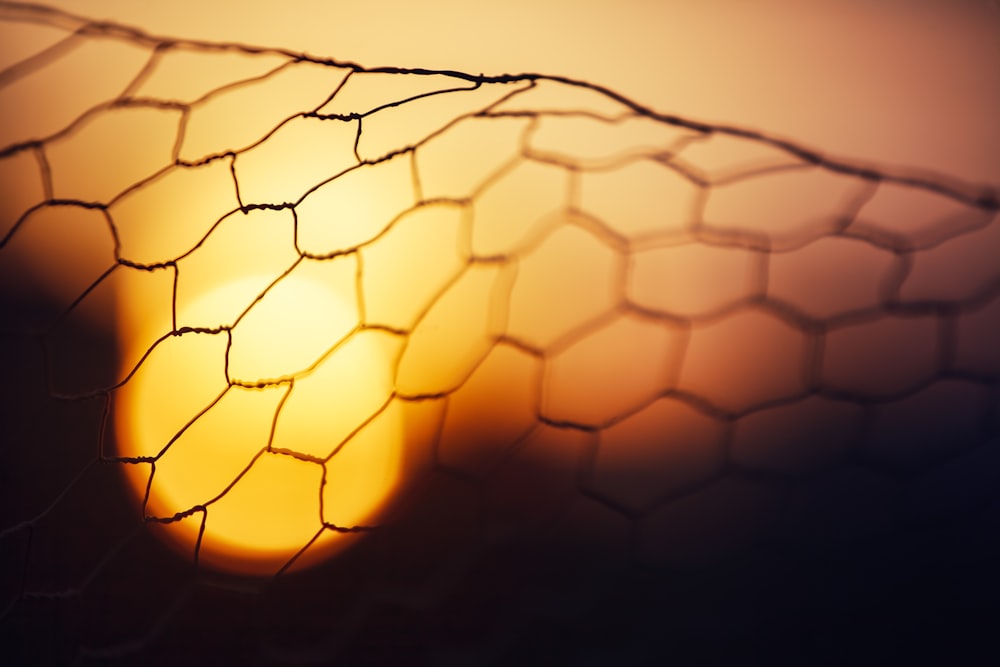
column 260, row 506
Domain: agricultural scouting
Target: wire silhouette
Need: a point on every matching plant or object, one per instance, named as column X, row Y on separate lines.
column 544, row 187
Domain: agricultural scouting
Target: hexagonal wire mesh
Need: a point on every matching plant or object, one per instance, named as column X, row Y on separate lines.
column 616, row 365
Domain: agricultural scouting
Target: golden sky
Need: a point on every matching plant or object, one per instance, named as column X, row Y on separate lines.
column 909, row 83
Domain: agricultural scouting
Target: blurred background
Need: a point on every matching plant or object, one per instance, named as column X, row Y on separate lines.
column 685, row 354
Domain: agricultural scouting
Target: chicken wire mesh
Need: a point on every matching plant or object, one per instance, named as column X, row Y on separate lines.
column 645, row 387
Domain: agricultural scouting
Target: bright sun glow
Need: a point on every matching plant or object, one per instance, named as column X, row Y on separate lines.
column 290, row 485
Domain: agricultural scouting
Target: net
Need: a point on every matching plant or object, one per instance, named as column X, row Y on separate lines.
column 310, row 361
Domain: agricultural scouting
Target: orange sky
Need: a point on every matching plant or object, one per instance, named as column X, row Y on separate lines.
column 911, row 84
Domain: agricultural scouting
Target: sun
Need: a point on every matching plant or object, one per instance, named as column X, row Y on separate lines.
column 266, row 440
